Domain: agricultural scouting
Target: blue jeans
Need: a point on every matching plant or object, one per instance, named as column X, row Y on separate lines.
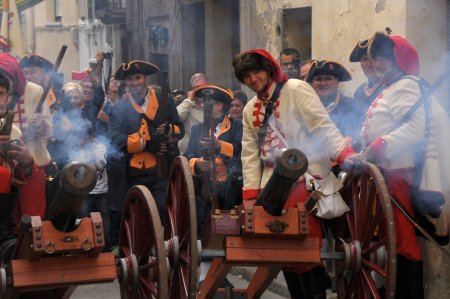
column 98, row 203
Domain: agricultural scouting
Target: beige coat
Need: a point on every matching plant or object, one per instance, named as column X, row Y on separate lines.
column 190, row 115
column 382, row 121
column 304, row 123
column 24, row 111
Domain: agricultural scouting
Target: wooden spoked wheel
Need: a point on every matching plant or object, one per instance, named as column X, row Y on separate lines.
column 366, row 237
column 180, row 232
column 142, row 265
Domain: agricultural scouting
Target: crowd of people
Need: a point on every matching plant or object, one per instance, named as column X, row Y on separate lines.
column 130, row 132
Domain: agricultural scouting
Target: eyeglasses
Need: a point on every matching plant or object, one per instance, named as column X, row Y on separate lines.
column 4, row 94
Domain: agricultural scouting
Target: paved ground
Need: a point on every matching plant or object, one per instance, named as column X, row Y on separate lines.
column 238, row 277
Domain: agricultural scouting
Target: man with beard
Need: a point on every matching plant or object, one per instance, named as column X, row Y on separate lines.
column 143, row 126
column 368, row 91
column 301, row 119
column 401, row 133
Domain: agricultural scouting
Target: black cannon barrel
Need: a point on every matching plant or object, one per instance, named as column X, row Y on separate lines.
column 289, row 167
column 77, row 180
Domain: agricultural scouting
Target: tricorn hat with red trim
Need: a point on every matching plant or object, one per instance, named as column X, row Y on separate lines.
column 215, row 92
column 36, row 60
column 135, row 67
column 359, row 50
column 328, row 67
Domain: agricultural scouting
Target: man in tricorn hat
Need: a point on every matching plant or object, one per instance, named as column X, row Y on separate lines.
column 393, row 136
column 143, row 126
column 368, row 91
column 227, row 136
column 37, row 69
column 325, row 76
column 303, row 123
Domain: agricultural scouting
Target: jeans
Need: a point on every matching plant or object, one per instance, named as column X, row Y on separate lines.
column 98, row 203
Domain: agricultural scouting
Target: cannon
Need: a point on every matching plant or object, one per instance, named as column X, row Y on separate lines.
column 54, row 255
column 289, row 167
column 165, row 264
column 162, row 260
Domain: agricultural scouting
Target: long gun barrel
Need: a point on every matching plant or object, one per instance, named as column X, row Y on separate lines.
column 209, row 189
column 289, row 167
column 48, row 84
column 77, row 180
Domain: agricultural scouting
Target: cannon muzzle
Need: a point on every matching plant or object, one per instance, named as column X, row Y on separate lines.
column 77, row 180
column 289, row 167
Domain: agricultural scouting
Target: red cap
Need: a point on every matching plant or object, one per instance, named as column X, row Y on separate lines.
column 405, row 55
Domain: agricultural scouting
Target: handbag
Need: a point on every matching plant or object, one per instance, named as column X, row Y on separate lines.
column 331, row 204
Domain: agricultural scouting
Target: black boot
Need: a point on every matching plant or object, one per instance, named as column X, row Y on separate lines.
column 308, row 285
column 8, row 202
column 409, row 279
column 314, row 283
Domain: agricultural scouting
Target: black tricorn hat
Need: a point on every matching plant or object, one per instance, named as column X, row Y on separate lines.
column 381, row 45
column 215, row 92
column 360, row 49
column 328, row 67
column 36, row 60
column 135, row 67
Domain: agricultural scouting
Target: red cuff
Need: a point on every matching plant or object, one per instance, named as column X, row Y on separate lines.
column 347, row 151
column 248, row 194
column 377, row 149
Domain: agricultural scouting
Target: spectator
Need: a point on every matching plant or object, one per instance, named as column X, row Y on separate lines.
column 191, row 109
column 304, row 68
column 238, row 104
column 93, row 152
column 290, row 62
column 178, row 96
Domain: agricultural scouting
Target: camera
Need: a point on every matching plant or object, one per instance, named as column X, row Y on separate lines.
column 81, row 76
column 8, row 145
column 107, row 55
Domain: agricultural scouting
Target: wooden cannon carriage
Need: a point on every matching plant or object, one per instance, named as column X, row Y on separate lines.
column 162, row 261
column 165, row 264
column 55, row 255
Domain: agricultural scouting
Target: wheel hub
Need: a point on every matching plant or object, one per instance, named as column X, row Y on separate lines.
column 352, row 256
column 173, row 250
column 128, row 271
column 3, row 283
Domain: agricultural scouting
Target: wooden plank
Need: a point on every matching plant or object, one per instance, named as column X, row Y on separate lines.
column 261, row 251
column 63, row 270
column 267, row 242
column 215, row 275
column 261, row 280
